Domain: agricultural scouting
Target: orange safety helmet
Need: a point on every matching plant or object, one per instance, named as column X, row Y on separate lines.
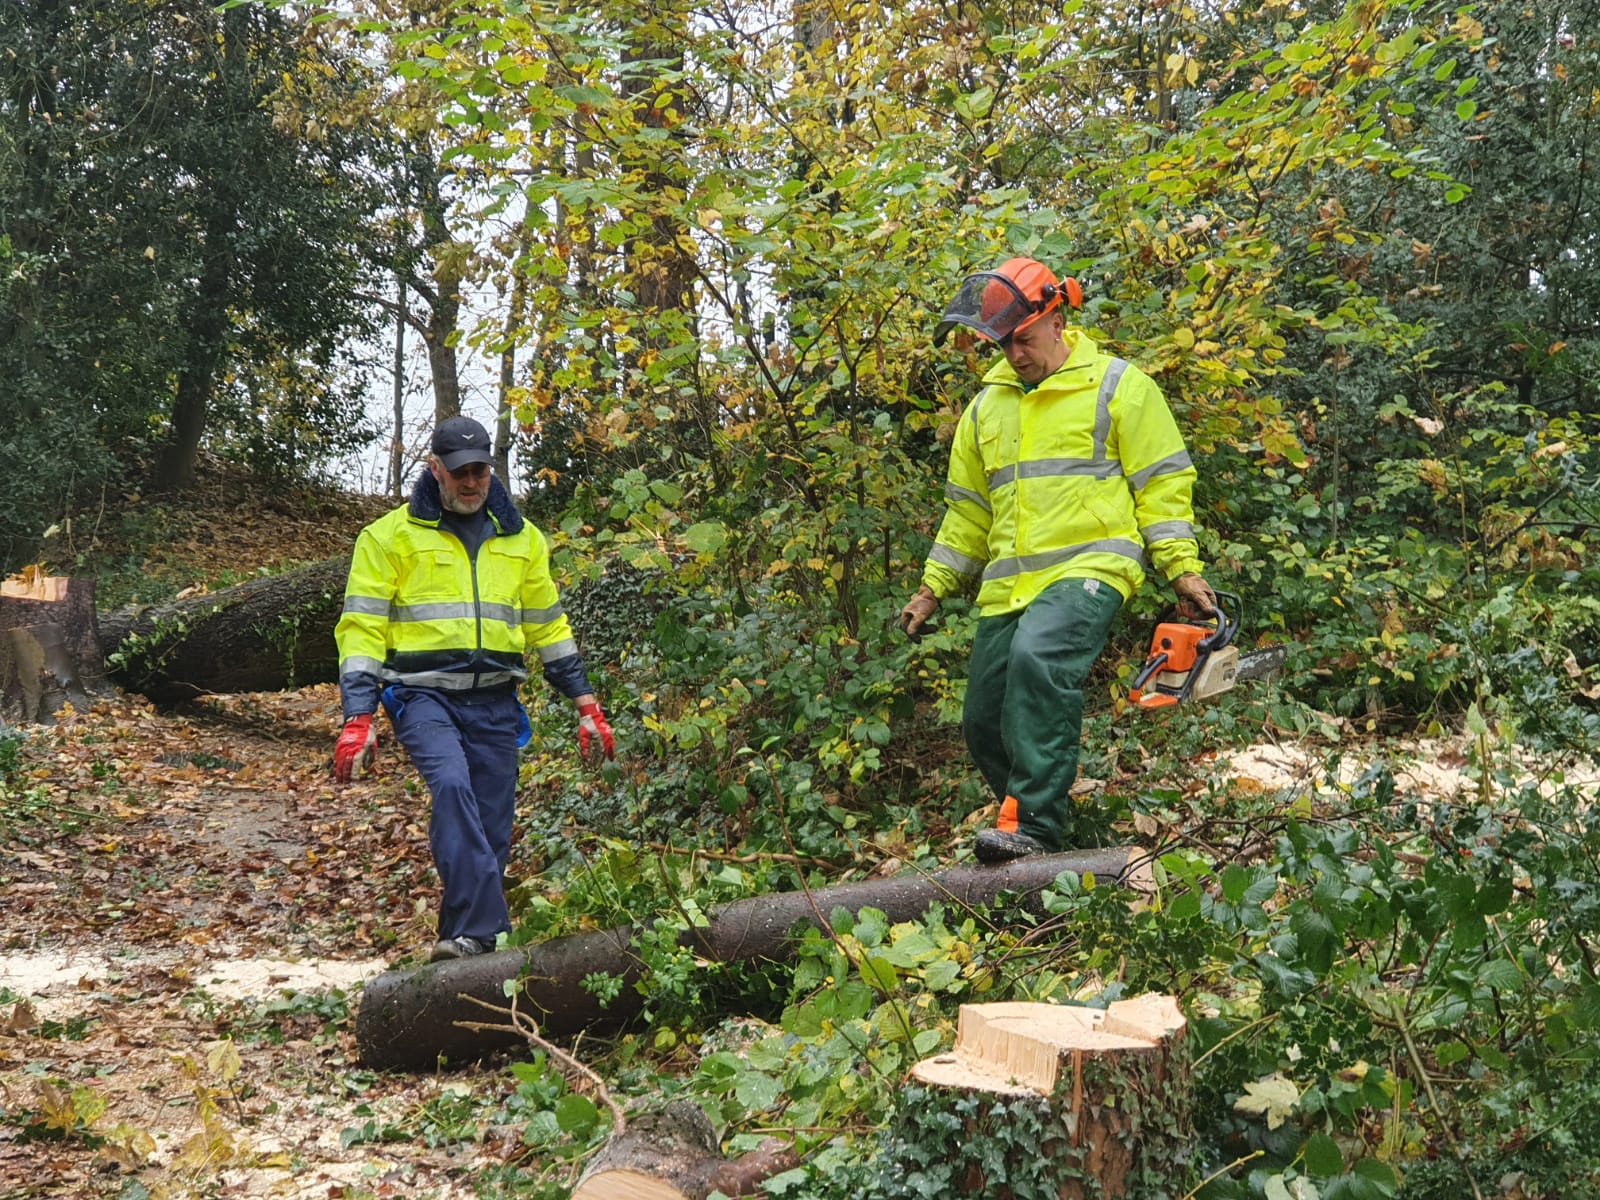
column 996, row 304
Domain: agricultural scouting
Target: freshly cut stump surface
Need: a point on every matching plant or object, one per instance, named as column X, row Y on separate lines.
column 1103, row 1096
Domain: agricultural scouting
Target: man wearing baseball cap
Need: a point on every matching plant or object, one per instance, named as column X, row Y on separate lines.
column 1067, row 473
column 447, row 594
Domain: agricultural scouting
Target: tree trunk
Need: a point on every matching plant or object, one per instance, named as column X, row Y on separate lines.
column 208, row 318
column 1081, row 1103
column 37, row 678
column 515, row 322
column 673, row 1155
column 397, row 440
column 408, row 1017
column 264, row 635
column 443, row 291
column 661, row 271
column 50, row 652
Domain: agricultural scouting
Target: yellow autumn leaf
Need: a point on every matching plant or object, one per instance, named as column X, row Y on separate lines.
column 1183, row 337
column 1274, row 1098
column 222, row 1060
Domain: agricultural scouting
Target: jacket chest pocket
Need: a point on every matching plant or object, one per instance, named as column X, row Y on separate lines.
column 436, row 575
column 502, row 566
column 997, row 448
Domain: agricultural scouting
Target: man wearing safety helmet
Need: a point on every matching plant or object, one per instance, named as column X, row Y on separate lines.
column 1067, row 472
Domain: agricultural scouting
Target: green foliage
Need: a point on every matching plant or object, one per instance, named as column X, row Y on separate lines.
column 161, row 232
column 1352, row 244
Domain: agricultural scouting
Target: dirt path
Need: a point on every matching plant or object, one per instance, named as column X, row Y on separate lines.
column 190, row 909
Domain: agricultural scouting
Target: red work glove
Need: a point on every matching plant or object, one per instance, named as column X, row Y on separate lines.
column 592, row 724
column 356, row 748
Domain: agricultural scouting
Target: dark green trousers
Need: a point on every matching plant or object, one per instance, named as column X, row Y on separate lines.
column 1023, row 715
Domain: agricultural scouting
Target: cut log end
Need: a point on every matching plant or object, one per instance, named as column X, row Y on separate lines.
column 627, row 1185
column 673, row 1154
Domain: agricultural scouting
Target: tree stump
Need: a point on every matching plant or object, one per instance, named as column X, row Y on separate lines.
column 673, row 1155
column 1043, row 1099
column 49, row 647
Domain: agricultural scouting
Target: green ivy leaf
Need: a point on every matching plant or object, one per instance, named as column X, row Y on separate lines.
column 576, row 1115
column 1322, row 1155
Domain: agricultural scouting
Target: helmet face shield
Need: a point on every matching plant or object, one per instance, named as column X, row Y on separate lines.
column 990, row 304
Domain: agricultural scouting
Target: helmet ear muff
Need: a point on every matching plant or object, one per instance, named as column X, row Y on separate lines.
column 1070, row 291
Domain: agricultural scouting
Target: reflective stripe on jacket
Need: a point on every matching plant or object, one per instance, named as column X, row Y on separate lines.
column 419, row 611
column 1079, row 477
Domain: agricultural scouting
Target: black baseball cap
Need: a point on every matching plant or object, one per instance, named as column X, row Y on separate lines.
column 461, row 440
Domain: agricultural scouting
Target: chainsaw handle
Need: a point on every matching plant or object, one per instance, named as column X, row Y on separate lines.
column 1150, row 667
column 1227, row 626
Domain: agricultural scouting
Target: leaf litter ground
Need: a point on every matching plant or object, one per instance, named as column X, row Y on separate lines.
column 190, row 910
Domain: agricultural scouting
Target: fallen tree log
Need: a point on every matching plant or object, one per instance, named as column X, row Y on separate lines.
column 410, row 1019
column 263, row 635
column 1080, row 1103
column 276, row 632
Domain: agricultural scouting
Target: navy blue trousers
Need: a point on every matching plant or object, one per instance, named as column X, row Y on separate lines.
column 465, row 745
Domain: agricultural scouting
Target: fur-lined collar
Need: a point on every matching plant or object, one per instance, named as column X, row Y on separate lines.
column 426, row 505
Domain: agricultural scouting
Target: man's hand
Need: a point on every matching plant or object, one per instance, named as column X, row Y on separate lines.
column 592, row 727
column 1195, row 597
column 356, row 748
column 917, row 610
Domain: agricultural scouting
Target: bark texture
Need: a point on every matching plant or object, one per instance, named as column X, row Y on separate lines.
column 673, row 1155
column 1081, row 1103
column 408, row 1018
column 49, row 648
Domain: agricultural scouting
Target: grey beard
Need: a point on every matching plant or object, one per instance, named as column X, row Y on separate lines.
column 456, row 505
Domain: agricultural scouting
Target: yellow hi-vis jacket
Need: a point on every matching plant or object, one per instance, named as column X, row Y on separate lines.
column 1078, row 478
column 418, row 611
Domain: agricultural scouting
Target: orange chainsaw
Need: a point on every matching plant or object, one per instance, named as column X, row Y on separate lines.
column 1196, row 659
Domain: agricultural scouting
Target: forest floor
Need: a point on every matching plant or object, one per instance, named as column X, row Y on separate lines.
column 191, row 908
column 189, row 915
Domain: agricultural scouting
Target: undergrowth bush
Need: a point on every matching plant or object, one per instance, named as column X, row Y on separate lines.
column 1381, row 987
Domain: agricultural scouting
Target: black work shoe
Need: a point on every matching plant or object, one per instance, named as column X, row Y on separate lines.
column 997, row 846
column 458, row 947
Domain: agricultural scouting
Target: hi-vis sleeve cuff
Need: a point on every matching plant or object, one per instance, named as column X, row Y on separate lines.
column 948, row 572
column 568, row 675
